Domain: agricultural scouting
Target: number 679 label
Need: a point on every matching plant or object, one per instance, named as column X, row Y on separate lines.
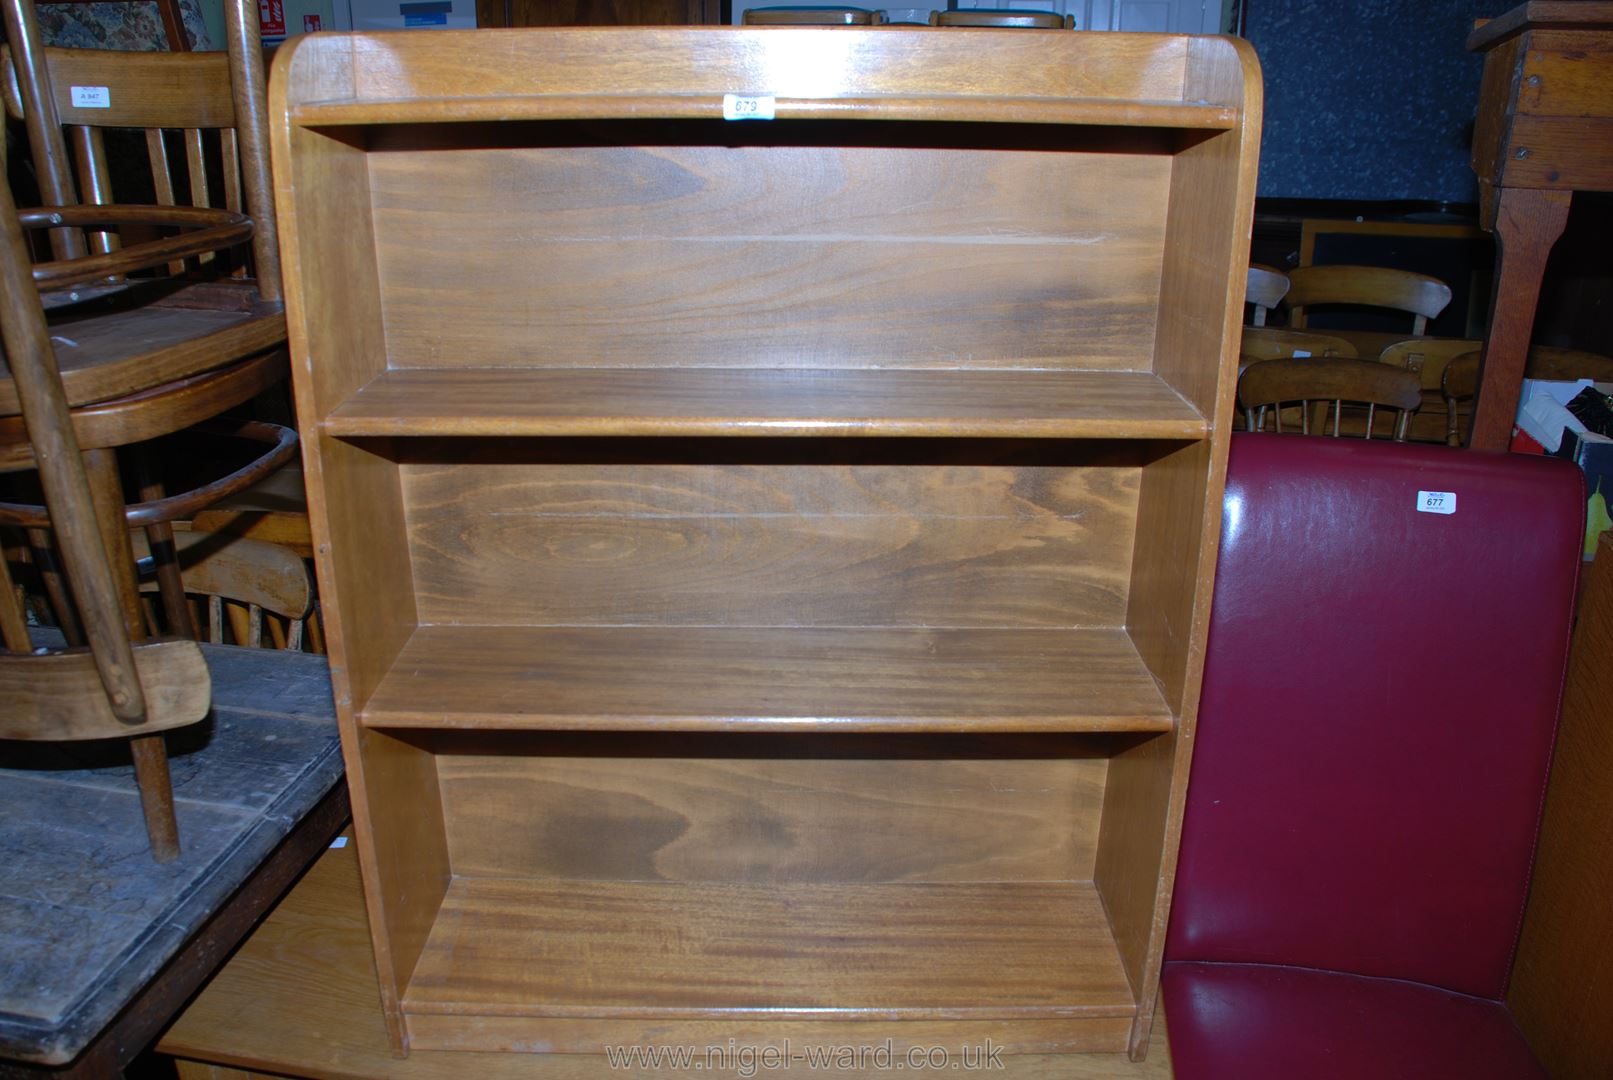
column 747, row 106
column 1436, row 502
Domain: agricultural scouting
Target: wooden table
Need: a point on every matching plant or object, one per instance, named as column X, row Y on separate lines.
column 300, row 999
column 1544, row 131
column 99, row 944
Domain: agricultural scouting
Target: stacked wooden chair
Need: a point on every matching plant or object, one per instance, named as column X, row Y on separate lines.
column 1265, row 288
column 1418, row 295
column 116, row 340
column 1002, row 19
column 1265, row 387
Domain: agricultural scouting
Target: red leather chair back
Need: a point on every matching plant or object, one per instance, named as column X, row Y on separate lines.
column 1380, row 699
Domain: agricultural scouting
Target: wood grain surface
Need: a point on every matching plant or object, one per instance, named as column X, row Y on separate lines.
column 771, row 809
column 107, row 355
column 1567, row 74
column 299, row 999
column 157, row 90
column 818, row 403
column 60, row 696
column 767, row 679
column 789, row 63
column 768, row 256
column 514, row 947
column 967, row 545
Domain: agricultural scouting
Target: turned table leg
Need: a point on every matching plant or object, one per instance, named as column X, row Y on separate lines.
column 1528, row 222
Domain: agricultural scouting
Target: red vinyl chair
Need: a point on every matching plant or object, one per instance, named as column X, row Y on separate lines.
column 1380, row 699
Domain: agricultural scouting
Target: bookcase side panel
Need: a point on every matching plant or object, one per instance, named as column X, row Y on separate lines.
column 333, row 294
column 367, row 585
column 1172, row 577
column 1179, row 507
column 1208, row 227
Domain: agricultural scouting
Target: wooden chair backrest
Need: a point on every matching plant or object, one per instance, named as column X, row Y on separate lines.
column 1002, row 19
column 1427, row 357
column 1268, row 385
column 1369, row 286
column 1456, row 379
column 1265, row 290
column 1551, row 362
column 809, row 16
column 158, row 93
column 241, row 581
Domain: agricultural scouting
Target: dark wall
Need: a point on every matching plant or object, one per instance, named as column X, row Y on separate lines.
column 1368, row 100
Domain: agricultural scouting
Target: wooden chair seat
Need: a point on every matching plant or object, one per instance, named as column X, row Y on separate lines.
column 108, row 355
column 1275, row 343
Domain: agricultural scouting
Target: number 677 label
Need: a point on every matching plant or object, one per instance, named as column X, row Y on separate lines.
column 1436, row 502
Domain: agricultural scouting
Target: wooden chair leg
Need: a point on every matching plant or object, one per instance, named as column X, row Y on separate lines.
column 49, row 567
column 160, row 538
column 13, row 621
column 240, row 622
column 150, row 753
column 316, row 633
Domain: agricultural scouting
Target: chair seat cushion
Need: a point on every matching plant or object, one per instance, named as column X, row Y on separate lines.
column 1257, row 1021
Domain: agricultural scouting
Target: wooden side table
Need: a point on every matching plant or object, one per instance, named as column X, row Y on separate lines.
column 1544, row 131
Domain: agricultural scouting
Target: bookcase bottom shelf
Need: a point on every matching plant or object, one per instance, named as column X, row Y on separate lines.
column 576, row 966
column 768, row 679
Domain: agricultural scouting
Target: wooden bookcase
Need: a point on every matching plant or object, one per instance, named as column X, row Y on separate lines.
column 766, row 563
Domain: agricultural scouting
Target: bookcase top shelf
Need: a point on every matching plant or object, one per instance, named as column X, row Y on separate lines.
column 672, row 401
column 1130, row 80
column 1189, row 115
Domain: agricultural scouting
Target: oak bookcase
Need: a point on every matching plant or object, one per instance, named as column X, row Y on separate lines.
column 767, row 563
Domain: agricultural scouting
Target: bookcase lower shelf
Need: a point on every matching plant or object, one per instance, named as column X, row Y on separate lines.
column 769, row 679
column 578, row 966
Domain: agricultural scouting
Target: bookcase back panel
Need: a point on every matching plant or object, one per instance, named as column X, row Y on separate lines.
column 965, row 545
column 768, row 256
column 771, row 809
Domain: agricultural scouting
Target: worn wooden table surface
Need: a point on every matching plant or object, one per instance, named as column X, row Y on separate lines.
column 90, row 926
